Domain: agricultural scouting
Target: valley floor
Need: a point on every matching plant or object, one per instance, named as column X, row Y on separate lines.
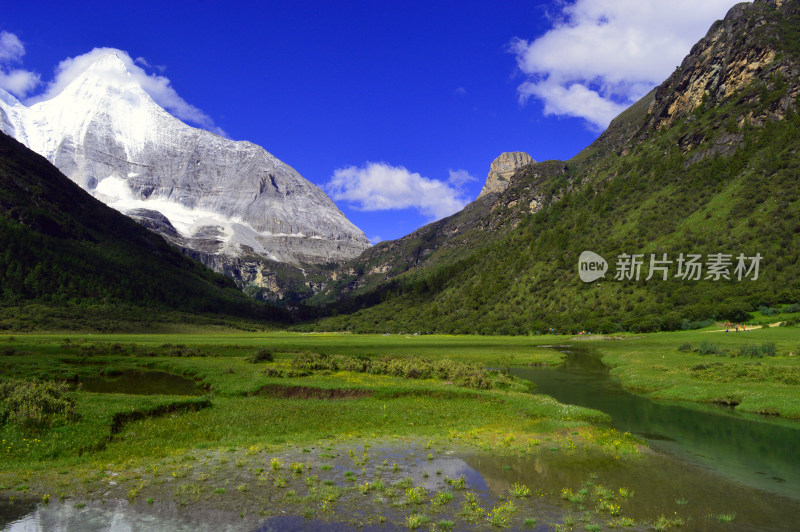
column 360, row 429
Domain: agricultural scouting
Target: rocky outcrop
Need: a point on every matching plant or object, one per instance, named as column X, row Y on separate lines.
column 745, row 46
column 502, row 169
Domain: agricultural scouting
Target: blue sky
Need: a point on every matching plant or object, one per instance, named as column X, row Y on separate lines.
column 396, row 109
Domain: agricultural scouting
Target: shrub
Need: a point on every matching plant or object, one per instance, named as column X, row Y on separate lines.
column 262, row 355
column 34, row 404
column 315, row 361
column 707, row 348
column 460, row 373
column 687, row 325
column 794, row 307
column 749, row 350
column 767, row 349
column 685, row 347
column 767, row 311
column 272, row 373
column 356, row 364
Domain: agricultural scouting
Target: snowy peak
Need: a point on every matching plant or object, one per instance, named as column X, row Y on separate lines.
column 105, row 132
column 105, row 78
column 108, row 62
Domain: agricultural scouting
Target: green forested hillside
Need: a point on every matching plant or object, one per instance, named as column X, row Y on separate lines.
column 59, row 247
column 708, row 163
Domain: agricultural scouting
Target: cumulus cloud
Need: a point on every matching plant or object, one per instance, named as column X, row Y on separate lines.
column 381, row 186
column 603, row 55
column 158, row 87
column 14, row 80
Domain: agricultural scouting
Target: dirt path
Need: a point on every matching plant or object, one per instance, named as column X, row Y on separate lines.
column 733, row 329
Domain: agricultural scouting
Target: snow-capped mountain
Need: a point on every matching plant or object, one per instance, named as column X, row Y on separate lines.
column 219, row 198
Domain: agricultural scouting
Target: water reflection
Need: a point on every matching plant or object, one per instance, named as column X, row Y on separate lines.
column 762, row 454
column 138, row 382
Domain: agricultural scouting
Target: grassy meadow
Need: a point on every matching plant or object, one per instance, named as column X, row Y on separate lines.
column 276, row 415
column 757, row 370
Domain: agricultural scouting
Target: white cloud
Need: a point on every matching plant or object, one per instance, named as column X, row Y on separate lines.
column 380, row 186
column 11, row 48
column 158, row 87
column 603, row 55
column 459, row 178
column 16, row 81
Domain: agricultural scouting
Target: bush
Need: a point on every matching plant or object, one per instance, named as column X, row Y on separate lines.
column 315, row 361
column 262, row 355
column 34, row 404
column 767, row 349
column 749, row 350
column 767, row 311
column 687, row 325
column 685, row 347
column 708, row 349
column 795, row 307
column 272, row 372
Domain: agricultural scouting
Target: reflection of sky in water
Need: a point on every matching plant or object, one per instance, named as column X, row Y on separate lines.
column 114, row 516
column 764, row 455
column 139, row 382
column 119, row 516
column 657, row 481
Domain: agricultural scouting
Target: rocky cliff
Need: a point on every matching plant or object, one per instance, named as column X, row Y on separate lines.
column 501, row 170
column 748, row 44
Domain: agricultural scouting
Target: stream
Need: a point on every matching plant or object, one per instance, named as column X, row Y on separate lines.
column 760, row 453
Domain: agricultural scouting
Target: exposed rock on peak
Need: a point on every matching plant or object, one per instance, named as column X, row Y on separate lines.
column 201, row 191
column 502, row 169
column 742, row 47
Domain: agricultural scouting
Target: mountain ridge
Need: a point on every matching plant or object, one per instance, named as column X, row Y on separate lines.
column 644, row 185
column 228, row 198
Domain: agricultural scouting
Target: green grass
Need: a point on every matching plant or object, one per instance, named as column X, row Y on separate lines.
column 653, row 364
column 136, row 427
column 246, row 429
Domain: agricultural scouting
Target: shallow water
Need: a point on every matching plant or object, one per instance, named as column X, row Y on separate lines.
column 139, row 382
column 660, row 484
column 754, row 451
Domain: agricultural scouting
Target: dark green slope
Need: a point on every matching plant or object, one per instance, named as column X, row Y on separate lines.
column 59, row 247
column 707, row 163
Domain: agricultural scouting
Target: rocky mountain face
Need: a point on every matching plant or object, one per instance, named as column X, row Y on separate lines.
column 68, row 251
column 705, row 163
column 736, row 51
column 226, row 203
column 501, row 170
